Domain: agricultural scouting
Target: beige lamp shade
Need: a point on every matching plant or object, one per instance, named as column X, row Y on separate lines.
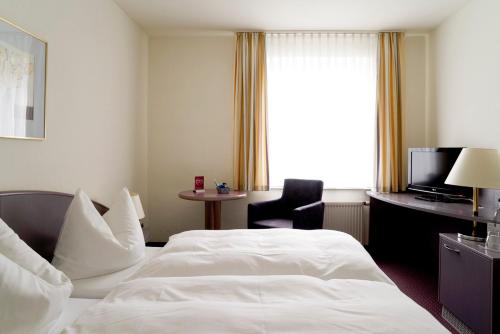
column 476, row 167
column 138, row 205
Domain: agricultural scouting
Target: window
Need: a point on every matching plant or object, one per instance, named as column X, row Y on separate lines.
column 321, row 107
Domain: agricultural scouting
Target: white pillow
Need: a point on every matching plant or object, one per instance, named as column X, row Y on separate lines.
column 32, row 292
column 91, row 245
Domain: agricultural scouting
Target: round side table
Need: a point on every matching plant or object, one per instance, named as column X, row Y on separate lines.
column 212, row 204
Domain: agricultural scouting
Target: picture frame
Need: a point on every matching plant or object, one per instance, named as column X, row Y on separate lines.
column 23, row 72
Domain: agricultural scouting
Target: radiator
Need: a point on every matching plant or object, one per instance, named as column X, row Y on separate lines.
column 348, row 217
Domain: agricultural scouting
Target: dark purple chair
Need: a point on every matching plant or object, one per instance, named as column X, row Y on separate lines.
column 299, row 207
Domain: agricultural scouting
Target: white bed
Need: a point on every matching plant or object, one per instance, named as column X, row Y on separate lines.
column 74, row 308
column 323, row 254
column 100, row 286
column 90, row 291
column 222, row 266
column 255, row 304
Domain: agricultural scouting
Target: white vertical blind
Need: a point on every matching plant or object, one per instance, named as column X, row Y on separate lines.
column 322, row 107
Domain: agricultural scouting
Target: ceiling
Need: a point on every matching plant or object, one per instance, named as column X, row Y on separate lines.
column 159, row 17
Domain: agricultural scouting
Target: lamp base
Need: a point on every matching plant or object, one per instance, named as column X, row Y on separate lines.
column 470, row 238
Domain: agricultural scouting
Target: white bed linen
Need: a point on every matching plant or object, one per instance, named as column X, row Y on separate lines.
column 90, row 245
column 324, row 254
column 255, row 304
column 100, row 286
column 32, row 292
column 74, row 308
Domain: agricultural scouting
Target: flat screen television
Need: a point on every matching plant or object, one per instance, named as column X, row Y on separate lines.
column 428, row 168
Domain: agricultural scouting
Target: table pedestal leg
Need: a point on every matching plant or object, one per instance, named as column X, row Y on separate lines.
column 212, row 215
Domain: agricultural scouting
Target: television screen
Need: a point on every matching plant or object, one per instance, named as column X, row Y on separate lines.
column 428, row 169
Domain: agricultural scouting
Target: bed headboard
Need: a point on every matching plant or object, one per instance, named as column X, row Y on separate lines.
column 37, row 217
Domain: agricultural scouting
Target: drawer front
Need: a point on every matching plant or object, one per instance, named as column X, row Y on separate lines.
column 465, row 285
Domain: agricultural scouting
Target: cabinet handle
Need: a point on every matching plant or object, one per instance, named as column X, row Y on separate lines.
column 452, row 249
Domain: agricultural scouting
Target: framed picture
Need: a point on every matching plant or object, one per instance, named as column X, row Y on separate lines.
column 23, row 60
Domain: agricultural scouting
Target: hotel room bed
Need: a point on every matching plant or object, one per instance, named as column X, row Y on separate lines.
column 238, row 281
column 100, row 286
column 73, row 310
column 255, row 304
column 323, row 254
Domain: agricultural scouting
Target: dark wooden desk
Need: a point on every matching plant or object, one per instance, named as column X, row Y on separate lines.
column 407, row 230
column 212, row 204
column 455, row 210
column 404, row 227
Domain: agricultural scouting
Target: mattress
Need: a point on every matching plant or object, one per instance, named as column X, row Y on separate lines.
column 100, row 286
column 256, row 304
column 72, row 311
column 324, row 254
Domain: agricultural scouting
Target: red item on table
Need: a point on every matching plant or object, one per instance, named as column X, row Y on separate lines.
column 199, row 182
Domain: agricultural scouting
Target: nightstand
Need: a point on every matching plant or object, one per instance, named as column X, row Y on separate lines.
column 469, row 285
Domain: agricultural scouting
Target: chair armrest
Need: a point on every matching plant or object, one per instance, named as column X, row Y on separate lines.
column 264, row 210
column 309, row 217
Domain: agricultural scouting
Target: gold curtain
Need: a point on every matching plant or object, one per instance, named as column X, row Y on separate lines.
column 390, row 155
column 251, row 170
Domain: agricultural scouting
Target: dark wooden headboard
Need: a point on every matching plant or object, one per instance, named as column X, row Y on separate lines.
column 37, row 217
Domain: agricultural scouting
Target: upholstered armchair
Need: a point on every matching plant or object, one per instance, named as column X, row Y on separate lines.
column 299, row 207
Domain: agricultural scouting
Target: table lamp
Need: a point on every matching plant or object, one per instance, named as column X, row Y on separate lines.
column 138, row 205
column 476, row 168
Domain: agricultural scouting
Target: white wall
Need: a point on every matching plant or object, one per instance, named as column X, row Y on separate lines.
column 466, row 77
column 96, row 102
column 190, row 125
column 416, row 106
column 416, row 93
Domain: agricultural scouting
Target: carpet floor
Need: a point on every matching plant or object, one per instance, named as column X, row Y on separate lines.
column 418, row 284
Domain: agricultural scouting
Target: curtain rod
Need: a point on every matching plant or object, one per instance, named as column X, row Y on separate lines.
column 321, row 31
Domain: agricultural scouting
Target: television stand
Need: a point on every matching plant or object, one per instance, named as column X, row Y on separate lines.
column 407, row 229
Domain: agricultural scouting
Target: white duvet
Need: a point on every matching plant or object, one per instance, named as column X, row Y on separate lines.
column 255, row 304
column 323, row 254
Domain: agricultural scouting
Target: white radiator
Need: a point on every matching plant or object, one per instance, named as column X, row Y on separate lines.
column 348, row 217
